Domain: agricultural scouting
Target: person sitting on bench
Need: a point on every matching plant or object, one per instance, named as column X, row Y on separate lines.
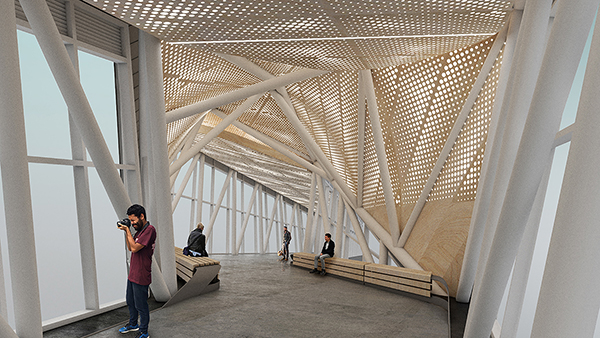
column 197, row 242
column 326, row 252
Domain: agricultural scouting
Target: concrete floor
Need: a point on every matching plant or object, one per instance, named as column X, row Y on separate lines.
column 263, row 297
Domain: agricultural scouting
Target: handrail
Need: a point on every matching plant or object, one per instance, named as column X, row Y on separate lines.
column 443, row 282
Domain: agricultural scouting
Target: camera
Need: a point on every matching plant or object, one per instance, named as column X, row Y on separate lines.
column 125, row 221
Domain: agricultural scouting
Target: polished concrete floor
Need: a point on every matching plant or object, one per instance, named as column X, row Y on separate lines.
column 263, row 297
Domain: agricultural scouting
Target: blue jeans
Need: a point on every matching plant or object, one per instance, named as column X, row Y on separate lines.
column 137, row 301
column 286, row 249
column 322, row 258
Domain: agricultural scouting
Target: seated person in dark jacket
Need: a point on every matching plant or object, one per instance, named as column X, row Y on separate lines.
column 326, row 252
column 197, row 242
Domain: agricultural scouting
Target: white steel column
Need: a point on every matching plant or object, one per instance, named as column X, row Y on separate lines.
column 567, row 306
column 488, row 170
column 185, row 181
column 5, row 329
column 66, row 77
column 360, row 236
column 323, row 204
column 527, row 61
column 366, row 80
column 271, row 220
column 194, row 197
column 362, row 117
column 234, row 209
column 246, row 218
column 522, row 267
column 215, row 212
column 339, row 224
column 152, row 107
column 567, row 39
column 200, row 205
column 296, row 225
column 15, row 185
column 261, row 224
column 454, row 133
column 308, row 240
column 84, row 205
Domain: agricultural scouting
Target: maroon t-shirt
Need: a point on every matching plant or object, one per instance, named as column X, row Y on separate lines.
column 140, row 266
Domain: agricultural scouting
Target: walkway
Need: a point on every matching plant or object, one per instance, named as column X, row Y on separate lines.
column 262, row 297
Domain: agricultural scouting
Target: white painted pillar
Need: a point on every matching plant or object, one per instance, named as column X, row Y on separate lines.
column 152, row 107
column 67, row 79
column 386, row 180
column 362, row 117
column 486, row 179
column 565, row 45
column 522, row 267
column 271, row 220
column 246, row 218
column 360, row 236
column 568, row 305
column 323, row 204
column 15, row 185
column 261, row 224
column 200, row 205
column 234, row 210
column 308, row 240
column 217, row 208
column 524, row 73
column 339, row 224
column 5, row 329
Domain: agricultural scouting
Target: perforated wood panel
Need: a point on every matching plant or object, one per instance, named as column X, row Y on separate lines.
column 322, row 34
column 422, row 101
column 461, row 171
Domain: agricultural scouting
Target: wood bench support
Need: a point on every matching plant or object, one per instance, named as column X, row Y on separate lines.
column 197, row 273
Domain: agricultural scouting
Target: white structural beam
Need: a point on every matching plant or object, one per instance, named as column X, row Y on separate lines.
column 366, row 80
column 192, row 151
column 490, row 160
column 323, row 205
column 360, row 236
column 454, row 133
column 15, row 186
column 200, row 205
column 520, row 275
column 261, row 221
column 566, row 306
column 361, row 141
column 185, row 181
column 339, row 224
column 67, row 79
column 313, row 147
column 271, row 220
column 565, row 45
column 233, row 190
column 526, row 65
column 242, row 93
column 308, row 240
column 278, row 146
column 246, row 219
column 152, row 108
column 217, row 208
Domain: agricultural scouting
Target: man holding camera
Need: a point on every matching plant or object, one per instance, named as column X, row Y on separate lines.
column 141, row 246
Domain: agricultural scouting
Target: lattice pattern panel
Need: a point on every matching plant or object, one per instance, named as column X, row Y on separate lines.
column 327, row 106
column 422, row 101
column 463, row 166
column 322, row 22
column 191, row 76
column 289, row 180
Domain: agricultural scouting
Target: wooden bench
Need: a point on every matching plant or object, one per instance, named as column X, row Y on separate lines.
column 198, row 275
column 335, row 266
column 416, row 282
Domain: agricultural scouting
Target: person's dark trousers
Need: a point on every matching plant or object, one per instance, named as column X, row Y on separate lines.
column 286, row 250
column 137, row 301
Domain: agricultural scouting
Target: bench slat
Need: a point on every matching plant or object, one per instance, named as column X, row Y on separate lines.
column 420, row 275
column 399, row 280
column 400, row 287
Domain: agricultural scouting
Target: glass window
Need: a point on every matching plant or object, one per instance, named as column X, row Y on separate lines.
column 46, row 114
column 97, row 77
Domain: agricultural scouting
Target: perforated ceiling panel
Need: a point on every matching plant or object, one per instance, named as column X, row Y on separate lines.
column 322, row 34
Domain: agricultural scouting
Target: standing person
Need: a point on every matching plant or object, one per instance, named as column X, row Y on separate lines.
column 141, row 246
column 326, row 252
column 197, row 242
column 287, row 238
